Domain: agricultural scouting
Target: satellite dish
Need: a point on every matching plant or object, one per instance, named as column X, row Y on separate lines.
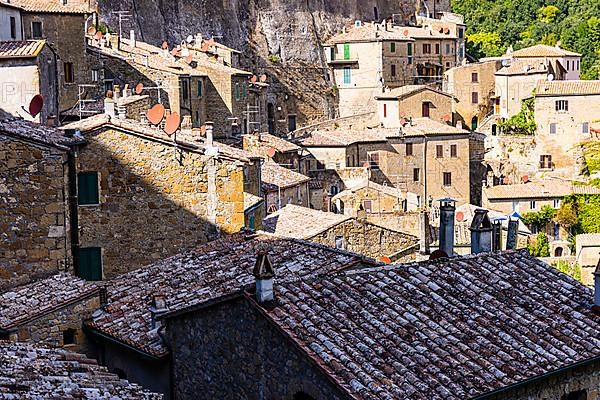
column 205, row 47
column 211, row 42
column 367, row 164
column 98, row 35
column 139, row 88
column 91, row 30
column 436, row 255
column 525, row 179
column 189, row 59
column 156, row 114
column 505, row 63
column 385, row 259
column 271, row 152
column 165, row 45
column 254, row 79
column 550, row 77
column 203, row 130
column 189, row 39
column 36, row 105
column 263, row 78
column 446, row 118
column 460, row 216
column 172, row 123
column 402, row 114
column 505, row 181
column 406, row 32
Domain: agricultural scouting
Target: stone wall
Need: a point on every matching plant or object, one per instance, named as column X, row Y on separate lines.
column 367, row 239
column 49, row 329
column 34, row 229
column 153, row 204
column 230, row 351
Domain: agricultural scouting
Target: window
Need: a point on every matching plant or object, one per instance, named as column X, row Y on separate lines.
column 87, row 188
column 185, row 89
column 374, row 160
column 475, row 98
column 545, row 161
column 244, row 90
column 556, row 203
column 553, row 128
column 346, row 51
column 425, row 109
column 426, row 48
column 532, row 205
column 68, row 336
column 416, row 174
column 368, row 205
column 461, row 33
column 90, row 263
column 474, row 77
column 69, row 73
column 199, row 89
column 320, row 165
column 585, row 128
column 453, row 151
column 561, row 105
column 237, row 91
column 558, row 253
column 447, row 179
column 339, row 242
column 409, row 149
column 439, row 151
column 384, row 110
column 393, row 47
column 36, row 30
column 95, row 75
column 409, row 52
column 13, row 28
column 393, row 69
column 347, row 75
column 577, row 395
column 447, row 48
column 437, row 48
column 291, row 123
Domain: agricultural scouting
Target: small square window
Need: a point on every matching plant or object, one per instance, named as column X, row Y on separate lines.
column 556, row 203
column 553, row 128
column 561, row 105
column 474, row 77
column 392, row 47
column 532, row 205
column 69, row 336
column 475, row 98
column 416, row 174
column 439, row 151
column 585, row 128
column 69, row 72
column 36, row 30
column 339, row 243
column 453, row 151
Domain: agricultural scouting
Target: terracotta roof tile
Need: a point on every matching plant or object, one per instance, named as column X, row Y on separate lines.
column 564, row 88
column 277, row 143
column 216, row 269
column 369, row 32
column 301, row 222
column 275, row 176
column 407, row 90
column 588, row 239
column 32, row 372
column 19, row 128
column 53, row 6
column 542, row 50
column 31, row 301
column 538, row 189
column 523, row 67
column 21, row 48
column 451, row 329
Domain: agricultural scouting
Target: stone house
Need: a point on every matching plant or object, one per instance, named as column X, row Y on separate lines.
column 474, row 86
column 50, row 311
column 34, row 371
column 281, row 186
column 342, row 232
column 565, row 64
column 11, row 29
column 274, row 148
column 130, row 333
column 189, row 83
column 304, row 339
column 27, row 69
column 519, row 199
column 414, row 101
column 369, row 197
column 63, row 24
column 587, row 255
column 565, row 113
column 35, row 238
column 143, row 196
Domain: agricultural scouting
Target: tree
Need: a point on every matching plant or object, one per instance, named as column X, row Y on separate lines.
column 566, row 215
column 485, row 44
column 522, row 123
column 540, row 246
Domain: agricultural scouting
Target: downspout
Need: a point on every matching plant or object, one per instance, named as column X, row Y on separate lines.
column 425, row 170
column 73, row 209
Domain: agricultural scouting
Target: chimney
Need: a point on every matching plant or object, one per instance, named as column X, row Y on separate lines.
column 481, row 232
column 459, row 124
column 513, row 230
column 159, row 305
column 263, row 273
column 209, row 134
column 447, row 210
column 109, row 107
column 497, row 236
column 132, row 38
column 424, row 231
column 103, row 296
column 597, row 286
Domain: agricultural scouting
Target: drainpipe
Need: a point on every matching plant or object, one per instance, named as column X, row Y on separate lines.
column 73, row 209
column 425, row 170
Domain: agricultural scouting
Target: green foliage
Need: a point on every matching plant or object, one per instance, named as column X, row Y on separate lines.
column 591, row 152
column 566, row 215
column 522, row 123
column 540, row 246
column 274, row 58
column 104, row 28
column 573, row 270
column 522, row 23
column 539, row 218
column 587, row 209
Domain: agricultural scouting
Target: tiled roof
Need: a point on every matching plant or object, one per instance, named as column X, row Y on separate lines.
column 428, row 126
column 21, row 48
column 350, row 192
column 28, row 302
column 542, row 50
column 408, row 90
column 564, row 88
column 588, row 239
column 31, row 372
column 523, row 67
column 451, row 329
column 53, row 6
column 251, row 200
column 213, row 270
column 275, row 176
column 369, row 32
column 338, row 138
column 301, row 222
column 539, row 189
column 277, row 143
column 31, row 131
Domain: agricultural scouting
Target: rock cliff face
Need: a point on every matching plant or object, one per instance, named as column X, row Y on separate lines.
column 278, row 37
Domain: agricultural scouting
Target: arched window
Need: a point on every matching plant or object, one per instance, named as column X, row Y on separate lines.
column 558, row 252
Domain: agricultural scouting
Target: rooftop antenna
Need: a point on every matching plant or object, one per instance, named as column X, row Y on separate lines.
column 123, row 16
column 139, row 89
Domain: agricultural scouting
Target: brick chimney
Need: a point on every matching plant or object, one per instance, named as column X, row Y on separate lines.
column 159, row 305
column 264, row 273
column 447, row 211
column 424, row 232
column 513, row 231
column 481, row 232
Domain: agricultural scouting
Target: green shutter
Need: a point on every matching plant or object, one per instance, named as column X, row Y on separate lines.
column 346, row 51
column 332, row 50
column 87, row 188
column 90, row 263
column 245, row 90
column 237, row 91
column 393, row 47
column 410, row 49
column 199, row 88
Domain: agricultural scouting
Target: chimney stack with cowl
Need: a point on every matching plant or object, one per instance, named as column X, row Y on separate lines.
column 159, row 306
column 481, row 232
column 447, row 211
column 512, row 234
column 264, row 273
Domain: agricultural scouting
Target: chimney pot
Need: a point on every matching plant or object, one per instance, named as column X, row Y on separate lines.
column 264, row 273
column 481, row 232
column 447, row 211
column 497, row 236
column 424, row 231
column 109, row 107
column 513, row 230
column 209, row 133
column 159, row 305
column 132, row 38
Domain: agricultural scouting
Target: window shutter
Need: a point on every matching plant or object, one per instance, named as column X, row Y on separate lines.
column 90, row 263
column 87, row 188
